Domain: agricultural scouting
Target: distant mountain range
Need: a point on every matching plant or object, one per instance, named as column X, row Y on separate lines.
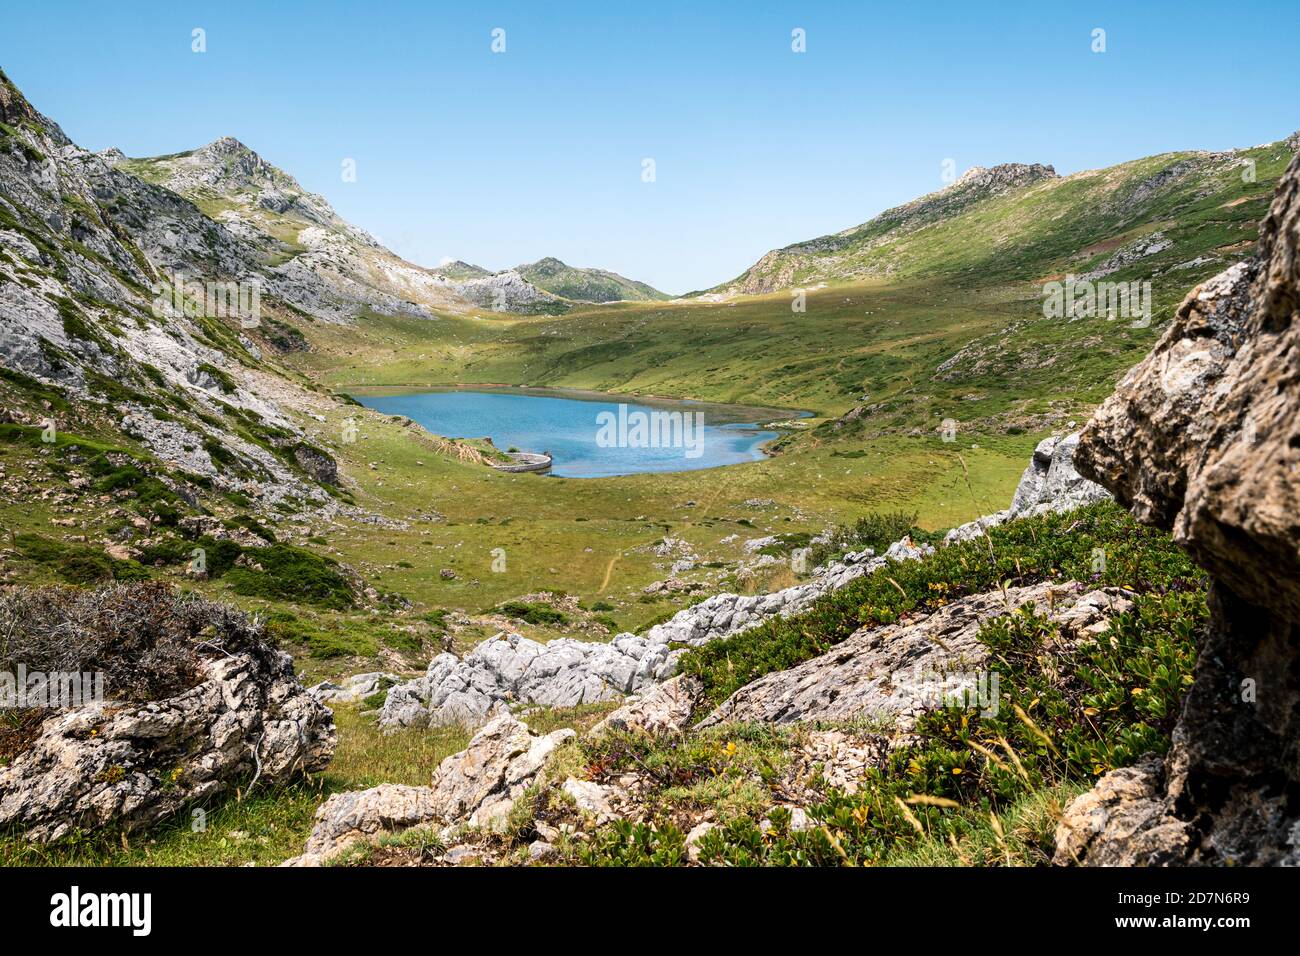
column 568, row 282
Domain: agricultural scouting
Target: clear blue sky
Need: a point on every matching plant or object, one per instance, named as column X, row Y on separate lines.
column 504, row 158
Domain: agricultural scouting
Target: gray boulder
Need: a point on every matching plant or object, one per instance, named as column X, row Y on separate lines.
column 479, row 785
column 1122, row 821
column 510, row 669
column 474, row 788
column 359, row 816
column 665, row 708
column 354, row 688
column 1050, row 483
column 132, row 765
column 319, row 464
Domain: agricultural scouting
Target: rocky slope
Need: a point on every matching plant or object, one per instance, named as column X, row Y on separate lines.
column 85, row 250
column 157, row 295
column 1203, row 438
column 310, row 256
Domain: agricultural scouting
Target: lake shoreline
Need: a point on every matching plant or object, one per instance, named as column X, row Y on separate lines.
column 760, row 414
column 549, row 419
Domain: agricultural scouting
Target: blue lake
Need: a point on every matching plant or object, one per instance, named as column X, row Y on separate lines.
column 590, row 437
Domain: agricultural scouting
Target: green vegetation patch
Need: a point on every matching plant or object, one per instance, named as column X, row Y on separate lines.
column 77, row 563
column 540, row 615
column 291, row 574
column 1051, row 547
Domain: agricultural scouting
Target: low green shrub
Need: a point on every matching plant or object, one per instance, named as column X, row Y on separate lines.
column 877, row 530
column 539, row 615
column 77, row 563
column 1049, row 547
column 289, row 573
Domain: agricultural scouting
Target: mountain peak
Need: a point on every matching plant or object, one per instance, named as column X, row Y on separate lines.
column 232, row 161
column 227, row 146
column 584, row 285
column 1005, row 175
column 14, row 107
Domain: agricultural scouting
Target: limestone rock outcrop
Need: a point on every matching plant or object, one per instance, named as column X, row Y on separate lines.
column 354, row 688
column 898, row 671
column 508, row 669
column 665, row 708
column 128, row 764
column 476, row 787
column 480, row 784
column 1050, row 483
column 359, row 816
column 1203, row 438
column 1122, row 822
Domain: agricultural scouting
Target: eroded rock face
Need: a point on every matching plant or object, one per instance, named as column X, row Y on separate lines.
column 476, row 787
column 1122, row 821
column 898, row 671
column 480, row 784
column 666, row 708
column 1203, row 438
column 133, row 765
column 354, row 688
column 320, row 465
column 509, row 669
column 346, row 819
column 1050, row 483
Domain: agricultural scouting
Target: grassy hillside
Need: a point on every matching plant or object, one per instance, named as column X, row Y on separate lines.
column 1202, row 202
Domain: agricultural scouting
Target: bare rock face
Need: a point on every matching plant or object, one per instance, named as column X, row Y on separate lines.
column 320, row 465
column 476, row 787
column 352, row 689
column 509, row 669
column 480, row 784
column 1203, row 438
column 129, row 765
column 665, row 708
column 1122, row 821
column 898, row 671
column 346, row 819
column 1050, row 483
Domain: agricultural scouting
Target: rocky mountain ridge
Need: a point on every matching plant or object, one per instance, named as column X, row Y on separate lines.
column 778, row 268
column 318, row 261
column 988, row 218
